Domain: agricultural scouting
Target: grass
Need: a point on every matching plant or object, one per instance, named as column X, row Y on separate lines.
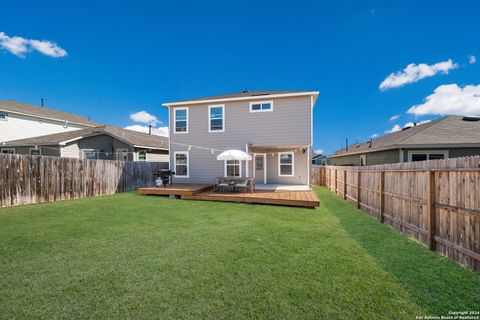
column 126, row 256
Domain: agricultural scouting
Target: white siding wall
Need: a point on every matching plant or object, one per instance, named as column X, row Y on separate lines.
column 21, row 127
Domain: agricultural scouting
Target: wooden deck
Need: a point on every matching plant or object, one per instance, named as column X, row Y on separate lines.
column 306, row 199
column 178, row 189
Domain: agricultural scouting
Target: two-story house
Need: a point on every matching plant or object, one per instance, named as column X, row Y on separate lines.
column 20, row 120
column 275, row 127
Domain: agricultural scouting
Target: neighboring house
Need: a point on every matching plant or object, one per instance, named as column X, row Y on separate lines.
column 20, row 120
column 275, row 127
column 103, row 142
column 319, row 160
column 448, row 137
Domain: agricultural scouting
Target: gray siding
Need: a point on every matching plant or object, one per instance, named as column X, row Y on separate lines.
column 373, row 158
column 288, row 124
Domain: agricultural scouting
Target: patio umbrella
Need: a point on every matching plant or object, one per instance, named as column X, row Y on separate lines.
column 233, row 155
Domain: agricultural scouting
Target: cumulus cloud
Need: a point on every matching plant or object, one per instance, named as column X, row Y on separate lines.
column 416, row 72
column 144, row 117
column 159, row 131
column 20, row 46
column 395, row 117
column 472, row 59
column 375, row 135
column 319, row 151
column 450, row 99
column 395, row 128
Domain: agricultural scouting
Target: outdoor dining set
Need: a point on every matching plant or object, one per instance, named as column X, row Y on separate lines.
column 234, row 184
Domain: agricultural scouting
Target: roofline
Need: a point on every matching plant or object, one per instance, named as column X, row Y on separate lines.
column 145, row 147
column 48, row 118
column 409, row 146
column 280, row 95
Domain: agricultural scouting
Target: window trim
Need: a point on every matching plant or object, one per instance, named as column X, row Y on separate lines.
column 210, row 119
column 6, row 116
column 175, row 163
column 427, row 152
column 90, row 150
column 225, row 168
column 30, row 150
column 175, row 120
column 293, row 164
column 8, row 149
column 261, row 102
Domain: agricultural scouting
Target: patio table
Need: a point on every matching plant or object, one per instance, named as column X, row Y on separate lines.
column 233, row 180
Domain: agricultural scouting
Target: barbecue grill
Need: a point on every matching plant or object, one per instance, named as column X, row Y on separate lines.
column 164, row 177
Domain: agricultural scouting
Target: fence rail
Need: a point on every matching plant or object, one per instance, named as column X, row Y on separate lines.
column 436, row 202
column 35, row 179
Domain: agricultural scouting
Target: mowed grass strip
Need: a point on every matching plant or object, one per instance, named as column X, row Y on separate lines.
column 128, row 256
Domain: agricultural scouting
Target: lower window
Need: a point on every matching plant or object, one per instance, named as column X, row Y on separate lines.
column 90, row 154
column 35, row 151
column 122, row 154
column 285, row 164
column 181, row 164
column 142, row 156
column 427, row 155
column 233, row 168
column 8, row 150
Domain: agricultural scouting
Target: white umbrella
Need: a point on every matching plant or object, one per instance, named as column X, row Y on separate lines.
column 237, row 155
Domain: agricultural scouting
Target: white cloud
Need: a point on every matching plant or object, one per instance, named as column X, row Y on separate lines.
column 415, row 72
column 395, row 128
column 450, row 99
column 319, row 151
column 20, row 46
column 374, row 135
column 159, row 131
column 472, row 59
column 395, row 117
column 144, row 117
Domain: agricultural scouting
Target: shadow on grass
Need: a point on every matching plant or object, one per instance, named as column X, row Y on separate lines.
column 437, row 284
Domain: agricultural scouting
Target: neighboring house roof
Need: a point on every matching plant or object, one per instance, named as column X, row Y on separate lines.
column 451, row 131
column 244, row 95
column 133, row 138
column 11, row 106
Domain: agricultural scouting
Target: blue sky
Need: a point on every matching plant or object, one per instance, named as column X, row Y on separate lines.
column 121, row 58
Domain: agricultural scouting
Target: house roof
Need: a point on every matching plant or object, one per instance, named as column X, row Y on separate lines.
column 244, row 95
column 133, row 138
column 451, row 131
column 11, row 106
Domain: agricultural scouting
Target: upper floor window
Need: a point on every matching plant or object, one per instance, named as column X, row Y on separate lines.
column 181, row 120
column 3, row 116
column 261, row 106
column 285, row 164
column 216, row 118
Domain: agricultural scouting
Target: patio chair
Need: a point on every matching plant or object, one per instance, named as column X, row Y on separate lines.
column 243, row 185
column 223, row 185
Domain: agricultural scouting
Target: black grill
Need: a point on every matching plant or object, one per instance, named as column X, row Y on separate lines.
column 164, row 177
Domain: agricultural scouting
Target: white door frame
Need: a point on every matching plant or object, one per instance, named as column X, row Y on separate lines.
column 264, row 155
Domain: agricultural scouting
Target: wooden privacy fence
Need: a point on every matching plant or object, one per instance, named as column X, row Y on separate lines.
column 436, row 202
column 35, row 179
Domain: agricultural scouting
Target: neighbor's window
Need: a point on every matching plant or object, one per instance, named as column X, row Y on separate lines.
column 35, row 151
column 90, row 154
column 8, row 150
column 3, row 116
column 181, row 120
column 261, row 106
column 142, row 156
column 233, row 168
column 216, row 118
column 285, row 164
column 122, row 154
column 423, row 156
column 181, row 164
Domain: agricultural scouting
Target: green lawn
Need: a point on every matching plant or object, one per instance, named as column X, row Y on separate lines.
column 127, row 256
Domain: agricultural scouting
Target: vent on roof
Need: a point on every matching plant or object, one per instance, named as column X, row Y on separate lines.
column 406, row 128
column 470, row 118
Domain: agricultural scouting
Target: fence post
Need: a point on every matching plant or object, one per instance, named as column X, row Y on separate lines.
column 335, row 181
column 359, row 182
column 382, row 196
column 345, row 184
column 431, row 210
